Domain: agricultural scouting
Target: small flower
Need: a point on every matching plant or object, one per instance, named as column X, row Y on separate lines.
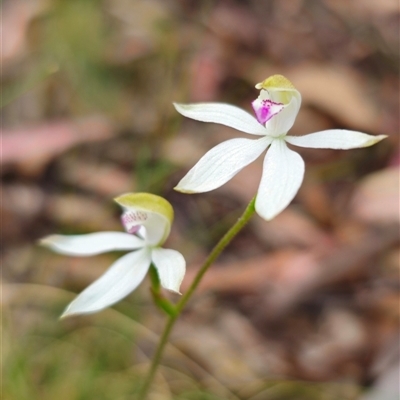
column 276, row 109
column 147, row 219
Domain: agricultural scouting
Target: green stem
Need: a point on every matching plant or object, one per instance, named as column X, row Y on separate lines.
column 217, row 250
column 161, row 302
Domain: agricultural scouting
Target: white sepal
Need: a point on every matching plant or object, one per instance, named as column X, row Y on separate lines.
column 92, row 243
column 282, row 176
column 222, row 163
column 224, row 114
column 171, row 267
column 335, row 139
column 116, row 283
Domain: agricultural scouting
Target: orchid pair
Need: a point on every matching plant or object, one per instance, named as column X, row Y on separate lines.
column 147, row 218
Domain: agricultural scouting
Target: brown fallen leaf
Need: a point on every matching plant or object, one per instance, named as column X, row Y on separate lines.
column 316, row 271
column 215, row 354
column 20, row 205
column 340, row 338
column 364, row 8
column 291, row 228
column 105, row 179
column 244, row 276
column 207, row 71
column 136, row 33
column 234, row 352
column 377, row 197
column 15, row 20
column 81, row 213
column 340, row 92
column 235, row 23
column 31, row 148
column 316, row 201
column 184, row 149
column 288, row 276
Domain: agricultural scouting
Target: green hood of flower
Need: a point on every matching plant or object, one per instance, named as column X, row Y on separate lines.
column 281, row 87
column 149, row 210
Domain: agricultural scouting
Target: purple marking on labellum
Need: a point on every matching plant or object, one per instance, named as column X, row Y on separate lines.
column 266, row 109
column 132, row 220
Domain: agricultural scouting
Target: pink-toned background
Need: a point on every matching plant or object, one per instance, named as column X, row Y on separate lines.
column 303, row 307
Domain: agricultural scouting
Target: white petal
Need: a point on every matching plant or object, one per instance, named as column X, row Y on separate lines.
column 116, row 283
column 224, row 114
column 171, row 267
column 283, row 173
column 335, row 139
column 92, row 243
column 222, row 163
column 280, row 123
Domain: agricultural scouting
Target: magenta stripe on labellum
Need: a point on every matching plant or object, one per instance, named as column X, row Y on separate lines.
column 132, row 220
column 266, row 109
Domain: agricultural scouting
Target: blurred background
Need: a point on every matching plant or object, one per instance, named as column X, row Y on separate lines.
column 305, row 307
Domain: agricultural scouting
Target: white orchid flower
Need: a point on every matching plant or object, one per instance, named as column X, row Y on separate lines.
column 276, row 109
column 147, row 219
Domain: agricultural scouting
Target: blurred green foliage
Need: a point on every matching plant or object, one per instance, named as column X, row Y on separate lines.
column 73, row 35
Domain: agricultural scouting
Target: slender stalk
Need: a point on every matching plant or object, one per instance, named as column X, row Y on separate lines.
column 217, row 250
column 160, row 301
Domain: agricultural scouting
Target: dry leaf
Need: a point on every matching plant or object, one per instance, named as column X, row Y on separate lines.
column 15, row 19
column 81, row 213
column 31, row 148
column 377, row 197
column 102, row 178
column 340, row 92
column 290, row 228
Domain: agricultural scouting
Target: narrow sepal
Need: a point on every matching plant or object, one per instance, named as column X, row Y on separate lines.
column 221, row 163
column 171, row 267
column 117, row 282
column 92, row 243
column 283, row 173
column 339, row 139
column 221, row 113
